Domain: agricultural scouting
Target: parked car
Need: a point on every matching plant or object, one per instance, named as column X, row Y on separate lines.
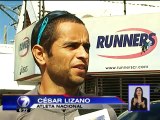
column 153, row 114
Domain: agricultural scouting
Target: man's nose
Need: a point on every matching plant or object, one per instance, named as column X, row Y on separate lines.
column 82, row 53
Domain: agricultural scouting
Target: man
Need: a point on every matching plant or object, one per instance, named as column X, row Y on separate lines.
column 60, row 46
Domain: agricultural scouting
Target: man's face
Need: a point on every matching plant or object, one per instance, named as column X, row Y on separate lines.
column 68, row 64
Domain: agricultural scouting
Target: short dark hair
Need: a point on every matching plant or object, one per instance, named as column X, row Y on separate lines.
column 45, row 31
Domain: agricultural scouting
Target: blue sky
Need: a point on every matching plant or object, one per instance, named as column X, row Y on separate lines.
column 6, row 20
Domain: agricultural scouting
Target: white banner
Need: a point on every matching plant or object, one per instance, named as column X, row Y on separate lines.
column 124, row 43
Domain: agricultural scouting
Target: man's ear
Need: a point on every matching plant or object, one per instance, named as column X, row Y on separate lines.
column 39, row 54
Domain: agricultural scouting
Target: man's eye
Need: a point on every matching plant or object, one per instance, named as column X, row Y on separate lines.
column 87, row 47
column 73, row 46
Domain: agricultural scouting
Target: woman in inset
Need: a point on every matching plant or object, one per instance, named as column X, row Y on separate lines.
column 138, row 102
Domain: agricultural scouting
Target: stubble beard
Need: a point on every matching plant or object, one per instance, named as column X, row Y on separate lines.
column 65, row 79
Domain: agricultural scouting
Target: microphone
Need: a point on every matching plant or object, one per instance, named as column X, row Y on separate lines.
column 97, row 115
column 106, row 113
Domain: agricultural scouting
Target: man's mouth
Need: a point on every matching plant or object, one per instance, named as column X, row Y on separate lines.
column 81, row 67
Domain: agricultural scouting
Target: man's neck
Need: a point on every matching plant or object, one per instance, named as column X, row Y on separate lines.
column 49, row 87
column 46, row 88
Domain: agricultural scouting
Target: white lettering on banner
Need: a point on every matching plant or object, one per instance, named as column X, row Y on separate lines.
column 77, row 100
column 49, row 100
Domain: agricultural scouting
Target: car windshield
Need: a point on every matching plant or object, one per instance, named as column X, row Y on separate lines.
column 153, row 114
